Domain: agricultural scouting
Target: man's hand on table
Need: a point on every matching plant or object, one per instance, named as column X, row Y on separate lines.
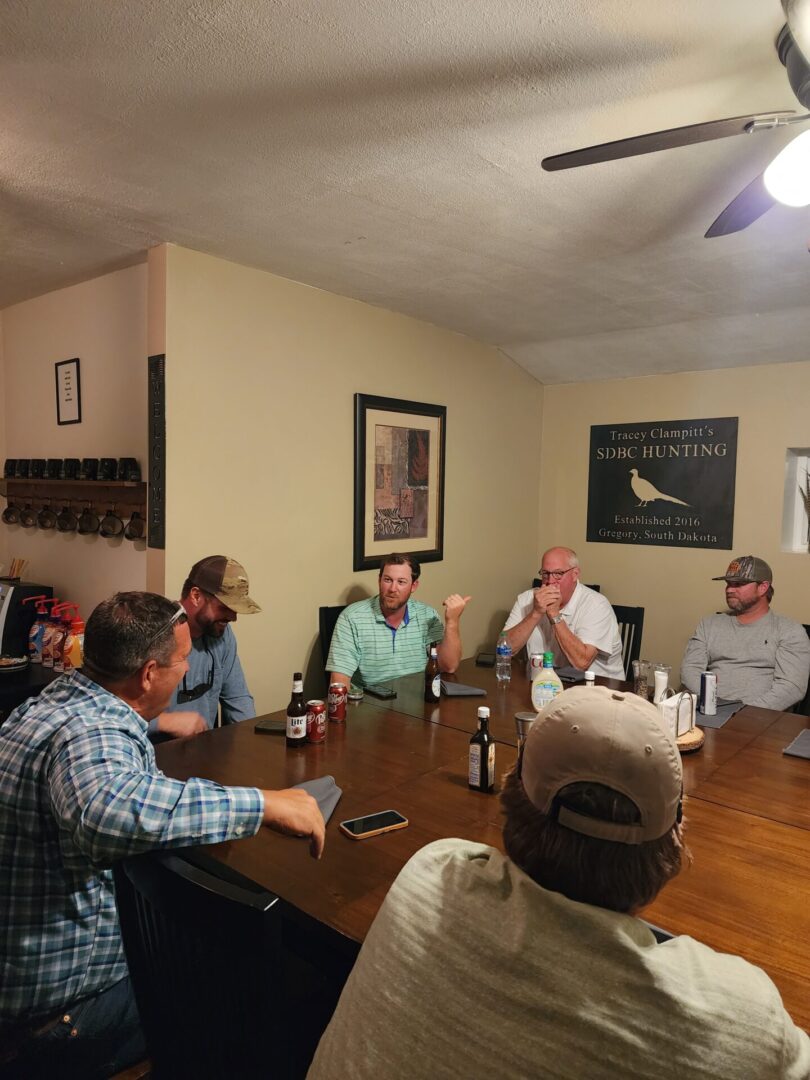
column 295, row 813
column 180, row 724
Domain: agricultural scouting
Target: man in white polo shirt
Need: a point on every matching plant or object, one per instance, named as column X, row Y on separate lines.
column 387, row 636
column 567, row 618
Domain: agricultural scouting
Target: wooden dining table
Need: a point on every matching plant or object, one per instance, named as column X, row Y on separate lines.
column 747, row 818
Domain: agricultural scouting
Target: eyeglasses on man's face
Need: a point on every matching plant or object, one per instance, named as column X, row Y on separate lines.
column 554, row 575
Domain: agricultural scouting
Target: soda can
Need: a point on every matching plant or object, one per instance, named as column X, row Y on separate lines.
column 338, row 693
column 535, row 664
column 707, row 700
column 316, row 721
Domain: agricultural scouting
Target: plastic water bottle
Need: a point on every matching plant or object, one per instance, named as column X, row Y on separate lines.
column 503, row 660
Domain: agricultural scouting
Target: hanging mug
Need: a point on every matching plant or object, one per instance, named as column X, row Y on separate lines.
column 11, row 514
column 46, row 518
column 111, row 524
column 66, row 520
column 136, row 527
column 28, row 516
column 88, row 521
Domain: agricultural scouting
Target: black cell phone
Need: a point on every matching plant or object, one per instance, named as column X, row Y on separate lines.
column 373, row 824
column 269, row 726
column 383, row 692
column 485, row 659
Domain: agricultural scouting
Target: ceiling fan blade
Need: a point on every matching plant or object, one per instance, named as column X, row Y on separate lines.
column 752, row 202
column 658, row 140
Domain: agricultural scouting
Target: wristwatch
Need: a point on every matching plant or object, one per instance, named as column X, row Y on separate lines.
column 554, row 619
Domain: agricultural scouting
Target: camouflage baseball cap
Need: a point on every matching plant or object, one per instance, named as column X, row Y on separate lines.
column 225, row 579
column 747, row 568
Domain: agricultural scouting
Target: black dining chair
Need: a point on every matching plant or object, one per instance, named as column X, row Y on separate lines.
column 327, row 618
column 218, row 992
column 803, row 707
column 631, row 624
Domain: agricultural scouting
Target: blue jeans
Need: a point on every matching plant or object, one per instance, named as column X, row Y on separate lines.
column 92, row 1039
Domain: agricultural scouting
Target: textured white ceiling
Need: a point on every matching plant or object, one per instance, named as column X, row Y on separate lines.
column 390, row 150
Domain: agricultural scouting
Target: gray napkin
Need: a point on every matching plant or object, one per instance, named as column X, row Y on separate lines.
column 571, row 674
column 800, row 747
column 325, row 792
column 457, row 689
column 723, row 715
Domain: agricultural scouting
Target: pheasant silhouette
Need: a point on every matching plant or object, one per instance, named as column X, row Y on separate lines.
column 646, row 492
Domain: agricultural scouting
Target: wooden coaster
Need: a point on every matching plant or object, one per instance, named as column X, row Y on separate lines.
column 690, row 741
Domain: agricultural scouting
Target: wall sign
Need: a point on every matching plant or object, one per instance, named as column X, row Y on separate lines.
column 68, row 392
column 667, row 482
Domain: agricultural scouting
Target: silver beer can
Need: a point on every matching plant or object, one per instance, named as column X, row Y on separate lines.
column 707, row 699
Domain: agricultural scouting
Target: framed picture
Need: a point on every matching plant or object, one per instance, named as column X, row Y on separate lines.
column 68, row 392
column 398, row 479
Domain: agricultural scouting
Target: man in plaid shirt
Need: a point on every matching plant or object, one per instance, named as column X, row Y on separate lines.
column 79, row 789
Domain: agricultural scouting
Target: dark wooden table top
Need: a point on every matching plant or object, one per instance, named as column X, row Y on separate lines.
column 747, row 820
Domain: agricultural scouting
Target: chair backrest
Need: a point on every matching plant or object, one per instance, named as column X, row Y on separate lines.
column 327, row 617
column 204, row 953
column 803, row 707
column 631, row 623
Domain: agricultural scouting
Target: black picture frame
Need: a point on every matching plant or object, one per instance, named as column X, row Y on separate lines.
column 67, row 374
column 418, row 504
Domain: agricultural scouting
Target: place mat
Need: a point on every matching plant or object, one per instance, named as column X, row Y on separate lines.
column 570, row 674
column 800, row 747
column 723, row 715
column 325, row 792
column 457, row 689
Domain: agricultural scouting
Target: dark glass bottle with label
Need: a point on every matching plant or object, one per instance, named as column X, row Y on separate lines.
column 481, row 774
column 297, row 714
column 433, row 679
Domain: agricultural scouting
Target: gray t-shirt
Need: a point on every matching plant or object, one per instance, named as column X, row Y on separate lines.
column 764, row 663
column 472, row 970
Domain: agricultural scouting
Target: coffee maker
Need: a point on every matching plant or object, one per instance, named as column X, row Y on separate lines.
column 15, row 616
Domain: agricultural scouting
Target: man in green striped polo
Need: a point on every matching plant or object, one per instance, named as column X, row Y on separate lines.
column 387, row 636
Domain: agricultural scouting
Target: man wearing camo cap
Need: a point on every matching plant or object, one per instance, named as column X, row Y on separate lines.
column 759, row 657
column 214, row 593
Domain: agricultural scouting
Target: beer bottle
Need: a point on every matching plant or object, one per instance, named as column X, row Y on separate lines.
column 297, row 714
column 481, row 774
column 433, row 679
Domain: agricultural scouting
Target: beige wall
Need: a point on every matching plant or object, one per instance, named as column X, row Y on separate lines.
column 673, row 584
column 261, row 374
column 103, row 322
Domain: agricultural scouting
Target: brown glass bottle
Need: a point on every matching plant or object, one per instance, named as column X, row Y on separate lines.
column 297, row 714
column 481, row 774
column 433, row 680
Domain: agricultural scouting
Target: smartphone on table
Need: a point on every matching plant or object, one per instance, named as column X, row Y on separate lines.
column 373, row 824
column 383, row 692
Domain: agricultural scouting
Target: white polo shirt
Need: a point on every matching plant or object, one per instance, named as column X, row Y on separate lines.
column 587, row 614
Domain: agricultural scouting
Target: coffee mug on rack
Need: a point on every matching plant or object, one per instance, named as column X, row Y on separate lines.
column 71, row 468
column 23, row 468
column 88, row 521
column 37, row 468
column 10, row 468
column 53, row 468
column 11, row 514
column 128, row 469
column 136, row 527
column 111, row 524
column 46, row 518
column 28, row 516
column 66, row 520
column 107, row 468
column 89, row 469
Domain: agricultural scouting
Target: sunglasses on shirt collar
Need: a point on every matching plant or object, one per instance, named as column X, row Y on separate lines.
column 193, row 693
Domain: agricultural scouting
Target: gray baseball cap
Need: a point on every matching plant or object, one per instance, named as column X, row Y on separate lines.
column 747, row 568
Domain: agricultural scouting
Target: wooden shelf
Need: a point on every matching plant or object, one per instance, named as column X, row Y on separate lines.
column 128, row 495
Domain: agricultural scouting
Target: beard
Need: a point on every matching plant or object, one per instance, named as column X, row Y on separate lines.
column 740, row 606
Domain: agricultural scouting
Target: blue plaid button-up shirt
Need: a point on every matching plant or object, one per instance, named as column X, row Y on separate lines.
column 79, row 789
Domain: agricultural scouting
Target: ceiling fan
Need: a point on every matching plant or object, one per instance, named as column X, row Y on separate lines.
column 793, row 48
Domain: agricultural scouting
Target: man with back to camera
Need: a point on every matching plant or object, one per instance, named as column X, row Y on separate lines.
column 535, row 963
column 567, row 618
column 387, row 636
column 214, row 593
column 759, row 657
column 80, row 789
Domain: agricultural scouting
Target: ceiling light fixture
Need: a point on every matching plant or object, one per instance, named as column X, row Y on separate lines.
column 787, row 178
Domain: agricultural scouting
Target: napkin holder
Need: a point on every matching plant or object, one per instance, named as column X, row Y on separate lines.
column 677, row 710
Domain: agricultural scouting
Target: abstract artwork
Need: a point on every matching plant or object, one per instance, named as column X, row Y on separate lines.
column 399, row 479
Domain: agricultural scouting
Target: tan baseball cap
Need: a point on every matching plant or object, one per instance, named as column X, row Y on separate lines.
column 747, row 568
column 603, row 736
column 225, row 579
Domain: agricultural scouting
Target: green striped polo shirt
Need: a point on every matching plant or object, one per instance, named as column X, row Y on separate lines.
column 365, row 648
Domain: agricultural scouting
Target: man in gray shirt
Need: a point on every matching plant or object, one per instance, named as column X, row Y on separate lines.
column 759, row 658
